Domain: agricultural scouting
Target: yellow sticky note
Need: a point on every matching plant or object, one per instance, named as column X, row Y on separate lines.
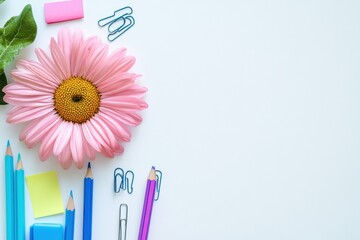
column 45, row 194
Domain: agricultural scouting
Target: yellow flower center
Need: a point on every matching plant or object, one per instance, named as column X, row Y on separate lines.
column 76, row 100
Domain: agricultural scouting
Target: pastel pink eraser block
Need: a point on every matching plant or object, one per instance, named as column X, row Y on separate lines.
column 63, row 11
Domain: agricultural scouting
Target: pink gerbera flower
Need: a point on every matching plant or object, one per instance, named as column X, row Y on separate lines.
column 78, row 101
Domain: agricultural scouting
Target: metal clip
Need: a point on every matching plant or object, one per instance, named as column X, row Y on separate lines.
column 127, row 23
column 158, row 184
column 118, row 25
column 126, row 180
column 123, row 217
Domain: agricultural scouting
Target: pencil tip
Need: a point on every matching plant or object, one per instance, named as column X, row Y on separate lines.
column 19, row 164
column 88, row 171
column 8, row 149
column 70, row 205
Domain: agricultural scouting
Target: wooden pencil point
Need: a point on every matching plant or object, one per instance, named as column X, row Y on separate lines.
column 70, row 204
column 152, row 174
column 89, row 172
column 19, row 164
column 8, row 149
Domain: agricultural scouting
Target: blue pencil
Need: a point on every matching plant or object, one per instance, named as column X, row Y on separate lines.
column 9, row 190
column 88, row 203
column 69, row 218
column 20, row 200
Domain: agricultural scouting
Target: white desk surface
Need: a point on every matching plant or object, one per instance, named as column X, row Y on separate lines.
column 254, row 119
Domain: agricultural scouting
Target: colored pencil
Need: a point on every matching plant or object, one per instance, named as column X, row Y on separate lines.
column 20, row 200
column 88, row 204
column 9, row 191
column 148, row 205
column 69, row 218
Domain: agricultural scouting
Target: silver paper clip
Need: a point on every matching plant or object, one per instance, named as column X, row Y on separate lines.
column 123, row 180
column 158, row 184
column 123, row 217
column 118, row 25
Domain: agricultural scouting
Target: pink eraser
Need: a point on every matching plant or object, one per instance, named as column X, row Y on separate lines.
column 63, row 11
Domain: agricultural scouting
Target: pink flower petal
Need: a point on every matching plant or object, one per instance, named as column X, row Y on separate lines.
column 48, row 142
column 38, row 128
column 95, row 61
column 89, row 150
column 126, row 104
column 133, row 90
column 48, row 65
column 64, row 41
column 120, row 131
column 19, row 89
column 35, row 101
column 120, row 67
column 24, row 133
column 109, row 63
column 117, row 81
column 90, row 138
column 62, row 67
column 85, row 52
column 29, row 80
column 98, row 135
column 77, row 42
column 113, row 127
column 107, row 152
column 130, row 119
column 119, row 149
column 76, row 145
column 24, row 114
column 27, row 95
column 42, row 76
column 65, row 158
column 105, row 132
column 80, row 164
column 55, row 139
column 63, row 137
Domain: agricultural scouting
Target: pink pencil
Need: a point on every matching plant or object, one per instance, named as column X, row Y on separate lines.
column 148, row 204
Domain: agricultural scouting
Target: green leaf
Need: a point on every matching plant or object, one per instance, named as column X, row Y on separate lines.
column 18, row 32
column 2, row 1
column 2, row 84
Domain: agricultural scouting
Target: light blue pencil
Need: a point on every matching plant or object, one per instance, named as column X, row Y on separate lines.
column 20, row 200
column 69, row 218
column 9, row 190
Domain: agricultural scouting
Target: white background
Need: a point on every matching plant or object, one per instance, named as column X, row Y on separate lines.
column 253, row 118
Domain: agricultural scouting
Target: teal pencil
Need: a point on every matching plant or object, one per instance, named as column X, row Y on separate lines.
column 9, row 192
column 69, row 218
column 20, row 200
